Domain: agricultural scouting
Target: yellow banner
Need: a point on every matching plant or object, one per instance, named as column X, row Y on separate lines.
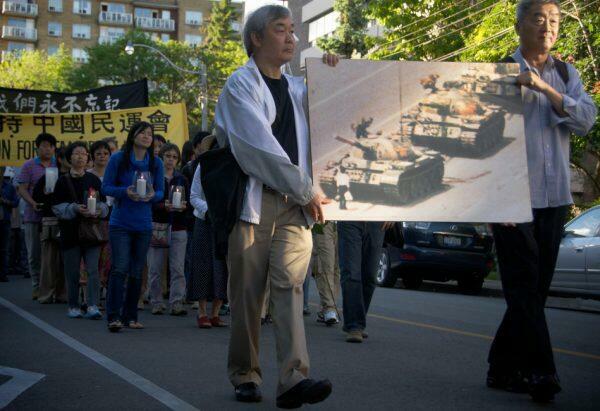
column 18, row 131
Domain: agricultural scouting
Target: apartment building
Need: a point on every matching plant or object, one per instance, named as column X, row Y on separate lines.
column 313, row 20
column 45, row 24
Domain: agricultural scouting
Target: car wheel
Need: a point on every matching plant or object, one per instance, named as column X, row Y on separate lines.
column 412, row 282
column 470, row 285
column 385, row 277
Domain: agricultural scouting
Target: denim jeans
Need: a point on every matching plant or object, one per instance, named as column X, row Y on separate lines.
column 360, row 246
column 129, row 250
column 4, row 242
column 72, row 261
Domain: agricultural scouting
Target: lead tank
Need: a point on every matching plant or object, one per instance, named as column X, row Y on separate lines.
column 383, row 170
column 455, row 120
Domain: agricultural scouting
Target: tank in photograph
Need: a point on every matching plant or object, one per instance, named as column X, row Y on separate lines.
column 383, row 169
column 456, row 120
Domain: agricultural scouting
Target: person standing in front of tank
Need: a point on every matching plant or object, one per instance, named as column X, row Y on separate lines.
column 555, row 105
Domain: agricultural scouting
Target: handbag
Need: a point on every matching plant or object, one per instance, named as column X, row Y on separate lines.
column 91, row 231
column 50, row 229
column 161, row 235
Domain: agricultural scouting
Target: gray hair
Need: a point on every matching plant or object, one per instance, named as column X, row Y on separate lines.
column 258, row 21
column 525, row 5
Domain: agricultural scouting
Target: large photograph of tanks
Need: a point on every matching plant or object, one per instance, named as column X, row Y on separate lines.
column 416, row 141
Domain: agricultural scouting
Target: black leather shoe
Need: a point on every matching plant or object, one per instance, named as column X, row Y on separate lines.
column 513, row 382
column 305, row 392
column 543, row 387
column 248, row 392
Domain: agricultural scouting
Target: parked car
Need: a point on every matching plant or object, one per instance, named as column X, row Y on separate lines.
column 417, row 251
column 578, row 264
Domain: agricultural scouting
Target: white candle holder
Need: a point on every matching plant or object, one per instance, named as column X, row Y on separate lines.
column 142, row 183
column 177, row 196
column 51, row 178
column 91, row 201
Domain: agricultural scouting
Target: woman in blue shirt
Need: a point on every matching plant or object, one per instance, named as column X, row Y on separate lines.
column 130, row 226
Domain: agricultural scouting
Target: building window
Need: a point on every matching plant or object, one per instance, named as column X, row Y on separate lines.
column 82, row 7
column 80, row 55
column 55, row 6
column 149, row 13
column 323, row 26
column 82, row 31
column 193, row 39
column 108, row 35
column 113, row 7
column 165, row 37
column 235, row 26
column 15, row 22
column 54, row 29
column 193, row 18
column 14, row 46
column 52, row 50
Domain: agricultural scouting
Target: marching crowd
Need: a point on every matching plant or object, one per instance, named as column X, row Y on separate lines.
column 145, row 223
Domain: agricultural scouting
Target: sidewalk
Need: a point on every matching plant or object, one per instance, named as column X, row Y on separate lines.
column 566, row 300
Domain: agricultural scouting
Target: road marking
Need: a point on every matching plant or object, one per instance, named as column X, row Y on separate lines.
column 469, row 334
column 21, row 381
column 147, row 386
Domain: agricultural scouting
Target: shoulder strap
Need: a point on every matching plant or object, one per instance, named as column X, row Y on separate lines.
column 563, row 70
column 561, row 67
column 71, row 187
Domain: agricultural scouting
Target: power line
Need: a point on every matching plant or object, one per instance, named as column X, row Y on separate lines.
column 429, row 26
column 433, row 40
column 501, row 33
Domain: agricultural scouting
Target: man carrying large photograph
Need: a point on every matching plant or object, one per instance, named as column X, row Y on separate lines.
column 555, row 105
column 261, row 116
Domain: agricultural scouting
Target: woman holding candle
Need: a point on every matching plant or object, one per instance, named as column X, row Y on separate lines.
column 208, row 276
column 171, row 212
column 76, row 198
column 101, row 152
column 135, row 178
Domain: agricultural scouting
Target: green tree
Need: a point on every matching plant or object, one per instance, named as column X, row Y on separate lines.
column 109, row 63
column 35, row 70
column 223, row 49
column 425, row 30
column 350, row 36
column 219, row 28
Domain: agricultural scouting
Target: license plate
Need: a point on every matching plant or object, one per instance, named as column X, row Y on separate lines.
column 452, row 241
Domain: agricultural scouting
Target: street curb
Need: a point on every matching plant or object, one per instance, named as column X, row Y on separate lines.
column 561, row 299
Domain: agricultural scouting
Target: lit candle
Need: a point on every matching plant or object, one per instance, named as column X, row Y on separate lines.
column 177, row 199
column 91, row 204
column 141, row 186
column 51, row 178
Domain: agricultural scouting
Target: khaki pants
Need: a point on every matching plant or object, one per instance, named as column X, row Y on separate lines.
column 278, row 251
column 52, row 277
column 325, row 266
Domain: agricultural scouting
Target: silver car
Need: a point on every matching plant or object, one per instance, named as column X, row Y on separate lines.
column 578, row 265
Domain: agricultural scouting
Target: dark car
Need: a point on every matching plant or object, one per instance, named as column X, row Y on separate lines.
column 417, row 251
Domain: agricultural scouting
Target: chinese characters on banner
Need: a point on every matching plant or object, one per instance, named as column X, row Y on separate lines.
column 18, row 131
column 107, row 98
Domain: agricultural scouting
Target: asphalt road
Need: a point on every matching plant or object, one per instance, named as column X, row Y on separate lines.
column 426, row 350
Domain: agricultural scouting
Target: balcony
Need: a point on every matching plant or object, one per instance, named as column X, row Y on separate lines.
column 110, row 17
column 19, row 33
column 19, row 9
column 149, row 23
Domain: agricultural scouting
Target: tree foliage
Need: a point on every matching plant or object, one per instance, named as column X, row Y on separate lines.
column 35, row 70
column 350, row 37
column 223, row 50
